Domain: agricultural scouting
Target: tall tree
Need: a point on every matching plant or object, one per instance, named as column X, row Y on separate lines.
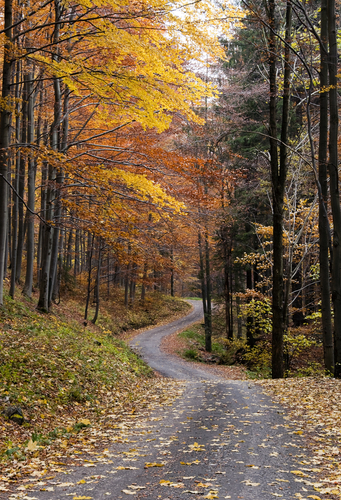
column 5, row 122
column 279, row 169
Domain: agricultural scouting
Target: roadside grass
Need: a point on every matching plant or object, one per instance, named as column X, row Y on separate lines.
column 194, row 349
column 67, row 377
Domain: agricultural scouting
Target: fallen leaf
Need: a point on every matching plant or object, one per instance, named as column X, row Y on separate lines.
column 84, row 421
column 249, row 483
column 298, row 473
column 129, row 492
column 32, row 446
column 153, row 464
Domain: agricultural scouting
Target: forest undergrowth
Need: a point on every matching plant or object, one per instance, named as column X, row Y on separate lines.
column 69, row 378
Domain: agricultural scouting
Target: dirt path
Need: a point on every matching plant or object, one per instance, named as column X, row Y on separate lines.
column 220, row 439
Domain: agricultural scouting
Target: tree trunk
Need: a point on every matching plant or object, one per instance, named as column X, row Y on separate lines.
column 98, row 277
column 202, row 278
column 15, row 198
column 89, row 263
column 31, row 174
column 327, row 328
column 334, row 183
column 208, row 329
column 21, row 186
column 5, row 121
column 278, row 177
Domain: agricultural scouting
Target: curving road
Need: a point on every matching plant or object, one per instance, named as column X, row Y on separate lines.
column 220, row 439
column 147, row 345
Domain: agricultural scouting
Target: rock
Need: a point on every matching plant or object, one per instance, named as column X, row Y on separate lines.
column 15, row 414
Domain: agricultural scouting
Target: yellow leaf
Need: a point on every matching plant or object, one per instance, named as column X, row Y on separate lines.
column 190, row 463
column 84, row 421
column 82, row 481
column 152, row 464
column 298, row 473
column 32, row 446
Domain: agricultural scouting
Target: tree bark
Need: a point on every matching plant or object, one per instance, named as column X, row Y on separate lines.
column 327, row 328
column 208, row 328
column 278, row 177
column 98, row 277
column 31, row 174
column 334, row 183
column 5, row 121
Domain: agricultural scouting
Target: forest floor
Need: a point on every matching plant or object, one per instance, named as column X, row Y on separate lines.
column 67, row 377
column 101, row 424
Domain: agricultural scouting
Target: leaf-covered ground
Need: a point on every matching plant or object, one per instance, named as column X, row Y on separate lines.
column 70, row 381
column 314, row 406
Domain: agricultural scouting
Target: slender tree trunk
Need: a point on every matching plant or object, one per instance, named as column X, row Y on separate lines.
column 5, row 121
column 143, row 288
column 208, row 331
column 98, row 277
column 327, row 328
column 76, row 262
column 50, row 243
column 15, row 199
column 31, row 174
column 334, row 183
column 69, row 252
column 126, row 285
column 90, row 250
column 278, row 176
column 202, row 278
column 21, row 187
column 172, row 272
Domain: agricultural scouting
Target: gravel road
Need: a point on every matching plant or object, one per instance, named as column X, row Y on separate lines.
column 220, row 439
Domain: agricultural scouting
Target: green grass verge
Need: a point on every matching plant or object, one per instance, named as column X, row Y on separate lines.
column 61, row 372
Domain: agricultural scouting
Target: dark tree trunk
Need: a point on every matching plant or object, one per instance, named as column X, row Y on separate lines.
column 278, row 177
column 98, row 277
column 76, row 261
column 334, row 183
column 31, row 174
column 208, row 329
column 202, row 278
column 90, row 250
column 5, row 121
column 144, row 279
column 172, row 272
column 15, row 199
column 21, row 187
column 324, row 234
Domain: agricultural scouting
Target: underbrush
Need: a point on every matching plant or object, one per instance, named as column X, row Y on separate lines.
column 64, row 375
column 302, row 352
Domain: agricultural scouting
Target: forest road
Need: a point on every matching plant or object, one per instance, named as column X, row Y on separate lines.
column 219, row 439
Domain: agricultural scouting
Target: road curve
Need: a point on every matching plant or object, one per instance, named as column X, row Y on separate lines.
column 220, row 439
column 147, row 345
